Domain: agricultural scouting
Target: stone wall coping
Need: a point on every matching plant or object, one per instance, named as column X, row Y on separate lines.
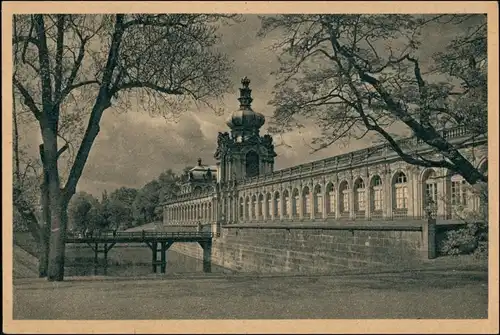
column 417, row 226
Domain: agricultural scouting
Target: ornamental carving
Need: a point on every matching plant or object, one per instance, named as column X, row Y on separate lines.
column 223, row 141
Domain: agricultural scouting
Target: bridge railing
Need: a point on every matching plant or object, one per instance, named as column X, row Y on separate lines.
column 144, row 235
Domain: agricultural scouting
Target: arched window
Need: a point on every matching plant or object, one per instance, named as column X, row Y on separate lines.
column 344, row 198
column 247, row 208
column 318, row 201
column 277, row 205
column 458, row 191
column 295, row 202
column 210, row 216
column 253, row 207
column 268, row 205
column 252, row 164
column 376, row 197
column 242, row 208
column 286, row 203
column 330, row 197
column 400, row 193
column 430, row 196
column 359, row 195
column 260, row 206
column 306, row 202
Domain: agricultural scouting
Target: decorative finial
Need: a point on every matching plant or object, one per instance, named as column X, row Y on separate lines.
column 199, row 161
column 245, row 94
column 245, row 82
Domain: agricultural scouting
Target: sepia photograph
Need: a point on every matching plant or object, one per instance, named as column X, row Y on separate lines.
column 243, row 161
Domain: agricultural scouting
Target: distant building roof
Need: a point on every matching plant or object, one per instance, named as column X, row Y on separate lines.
column 202, row 172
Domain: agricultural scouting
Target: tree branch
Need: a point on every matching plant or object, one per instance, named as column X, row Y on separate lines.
column 58, row 59
column 43, row 56
column 138, row 84
column 102, row 102
column 28, row 100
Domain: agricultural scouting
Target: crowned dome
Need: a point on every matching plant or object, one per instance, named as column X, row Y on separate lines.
column 245, row 116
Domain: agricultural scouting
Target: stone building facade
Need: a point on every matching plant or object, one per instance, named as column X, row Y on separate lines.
column 369, row 184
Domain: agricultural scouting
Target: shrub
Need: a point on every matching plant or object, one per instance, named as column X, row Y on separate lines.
column 473, row 238
column 481, row 251
column 461, row 241
column 470, row 239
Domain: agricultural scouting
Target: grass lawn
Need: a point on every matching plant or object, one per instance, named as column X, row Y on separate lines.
column 421, row 294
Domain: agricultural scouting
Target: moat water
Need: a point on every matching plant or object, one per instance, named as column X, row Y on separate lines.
column 129, row 261
column 123, row 260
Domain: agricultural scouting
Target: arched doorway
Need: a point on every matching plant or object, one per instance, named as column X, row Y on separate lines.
column 286, row 204
column 242, row 208
column 277, row 205
column 260, row 206
column 268, row 206
column 295, row 203
column 344, row 199
column 330, row 200
column 306, row 202
column 318, row 202
column 359, row 198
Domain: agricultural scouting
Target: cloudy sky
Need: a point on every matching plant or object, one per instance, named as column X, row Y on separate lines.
column 133, row 148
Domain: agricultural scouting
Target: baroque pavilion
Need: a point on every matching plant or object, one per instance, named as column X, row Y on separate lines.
column 369, row 184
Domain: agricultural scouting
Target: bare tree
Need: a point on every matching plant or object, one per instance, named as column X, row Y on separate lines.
column 355, row 74
column 95, row 62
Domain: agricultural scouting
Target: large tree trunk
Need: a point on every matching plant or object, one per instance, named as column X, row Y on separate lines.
column 57, row 240
column 57, row 207
column 44, row 246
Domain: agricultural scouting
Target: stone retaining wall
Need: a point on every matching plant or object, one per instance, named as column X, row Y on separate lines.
column 312, row 250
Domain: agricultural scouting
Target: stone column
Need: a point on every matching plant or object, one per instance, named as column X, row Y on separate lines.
column 212, row 213
column 235, row 207
column 338, row 196
column 352, row 199
column 323, row 202
column 387, row 194
column 312, row 208
column 368, row 204
column 411, row 202
column 265, row 204
column 301, row 204
column 444, row 195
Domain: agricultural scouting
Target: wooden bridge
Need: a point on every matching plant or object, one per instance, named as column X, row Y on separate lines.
column 153, row 240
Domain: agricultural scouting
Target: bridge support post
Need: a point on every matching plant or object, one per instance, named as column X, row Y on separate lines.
column 207, row 255
column 163, row 257
column 96, row 258
column 105, row 259
column 154, row 249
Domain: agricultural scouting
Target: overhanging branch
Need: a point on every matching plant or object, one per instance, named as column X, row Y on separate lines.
column 28, row 100
column 139, row 84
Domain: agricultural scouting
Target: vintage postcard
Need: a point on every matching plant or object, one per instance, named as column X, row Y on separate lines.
column 250, row 167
